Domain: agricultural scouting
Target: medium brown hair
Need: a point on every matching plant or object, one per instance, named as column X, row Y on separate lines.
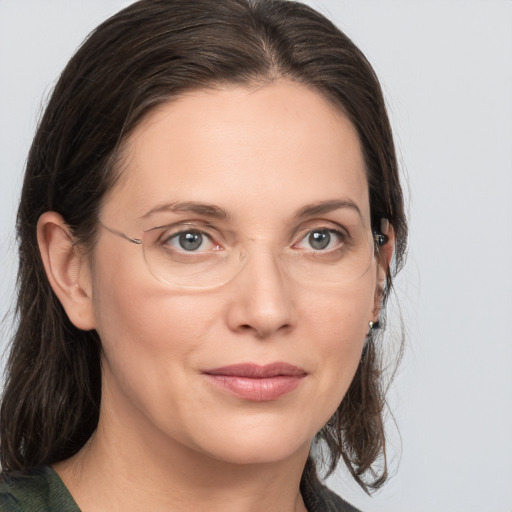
column 148, row 54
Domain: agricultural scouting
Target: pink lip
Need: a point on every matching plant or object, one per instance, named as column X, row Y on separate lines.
column 257, row 383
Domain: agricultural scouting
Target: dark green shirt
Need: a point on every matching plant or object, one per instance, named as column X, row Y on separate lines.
column 43, row 491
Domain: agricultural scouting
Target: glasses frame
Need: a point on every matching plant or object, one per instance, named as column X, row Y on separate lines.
column 380, row 239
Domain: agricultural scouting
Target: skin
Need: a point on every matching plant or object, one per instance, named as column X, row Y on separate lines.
column 167, row 438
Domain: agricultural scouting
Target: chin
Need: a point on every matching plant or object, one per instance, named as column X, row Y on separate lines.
column 259, row 445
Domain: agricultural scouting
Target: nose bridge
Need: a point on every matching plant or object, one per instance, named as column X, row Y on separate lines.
column 263, row 261
column 264, row 300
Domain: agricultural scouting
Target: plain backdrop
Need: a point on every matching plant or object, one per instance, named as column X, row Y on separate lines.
column 446, row 69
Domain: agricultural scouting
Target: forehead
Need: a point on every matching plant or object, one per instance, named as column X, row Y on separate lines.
column 280, row 144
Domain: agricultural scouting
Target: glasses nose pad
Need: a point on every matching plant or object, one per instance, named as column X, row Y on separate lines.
column 238, row 262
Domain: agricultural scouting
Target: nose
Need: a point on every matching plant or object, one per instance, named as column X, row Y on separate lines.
column 261, row 298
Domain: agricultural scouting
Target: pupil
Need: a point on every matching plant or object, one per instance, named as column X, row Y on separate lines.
column 190, row 241
column 319, row 239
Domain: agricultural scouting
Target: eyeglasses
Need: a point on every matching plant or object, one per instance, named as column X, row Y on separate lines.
column 197, row 255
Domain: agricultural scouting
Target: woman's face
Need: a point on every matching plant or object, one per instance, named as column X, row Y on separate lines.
column 250, row 369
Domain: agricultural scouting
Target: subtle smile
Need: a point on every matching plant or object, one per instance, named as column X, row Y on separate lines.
column 257, row 383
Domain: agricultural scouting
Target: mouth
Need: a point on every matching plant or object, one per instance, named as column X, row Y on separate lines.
column 257, row 383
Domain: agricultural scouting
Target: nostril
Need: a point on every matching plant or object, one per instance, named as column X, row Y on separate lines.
column 263, row 333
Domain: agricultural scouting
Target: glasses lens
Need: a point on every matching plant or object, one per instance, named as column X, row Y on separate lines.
column 190, row 259
column 332, row 257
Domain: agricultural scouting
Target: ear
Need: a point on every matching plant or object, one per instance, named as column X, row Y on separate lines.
column 384, row 257
column 67, row 269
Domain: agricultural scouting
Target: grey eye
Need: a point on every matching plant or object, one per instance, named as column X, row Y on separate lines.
column 186, row 240
column 319, row 240
column 190, row 240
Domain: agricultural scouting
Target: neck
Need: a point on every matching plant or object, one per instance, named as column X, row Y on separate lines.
column 124, row 467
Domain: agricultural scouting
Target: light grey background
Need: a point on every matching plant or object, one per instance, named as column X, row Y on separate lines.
column 446, row 69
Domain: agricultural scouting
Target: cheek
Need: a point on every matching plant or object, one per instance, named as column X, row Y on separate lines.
column 341, row 317
column 145, row 322
column 147, row 333
column 150, row 341
column 338, row 324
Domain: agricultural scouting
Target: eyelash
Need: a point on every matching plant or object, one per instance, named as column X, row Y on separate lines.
column 175, row 232
column 342, row 239
column 166, row 238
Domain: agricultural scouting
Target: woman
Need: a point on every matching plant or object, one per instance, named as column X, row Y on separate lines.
column 210, row 214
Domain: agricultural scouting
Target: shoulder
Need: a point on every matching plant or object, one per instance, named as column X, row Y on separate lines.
column 39, row 490
column 332, row 502
column 319, row 498
column 327, row 501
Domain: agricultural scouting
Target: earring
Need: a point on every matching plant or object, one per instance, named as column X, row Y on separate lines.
column 371, row 326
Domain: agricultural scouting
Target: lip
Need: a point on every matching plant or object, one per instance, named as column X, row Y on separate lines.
column 257, row 383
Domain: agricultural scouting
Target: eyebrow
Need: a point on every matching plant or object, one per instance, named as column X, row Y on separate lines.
column 326, row 207
column 208, row 210
column 211, row 210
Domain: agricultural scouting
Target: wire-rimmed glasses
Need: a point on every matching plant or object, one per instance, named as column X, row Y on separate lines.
column 198, row 256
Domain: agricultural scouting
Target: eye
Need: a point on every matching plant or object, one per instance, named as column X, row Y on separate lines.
column 321, row 240
column 190, row 241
